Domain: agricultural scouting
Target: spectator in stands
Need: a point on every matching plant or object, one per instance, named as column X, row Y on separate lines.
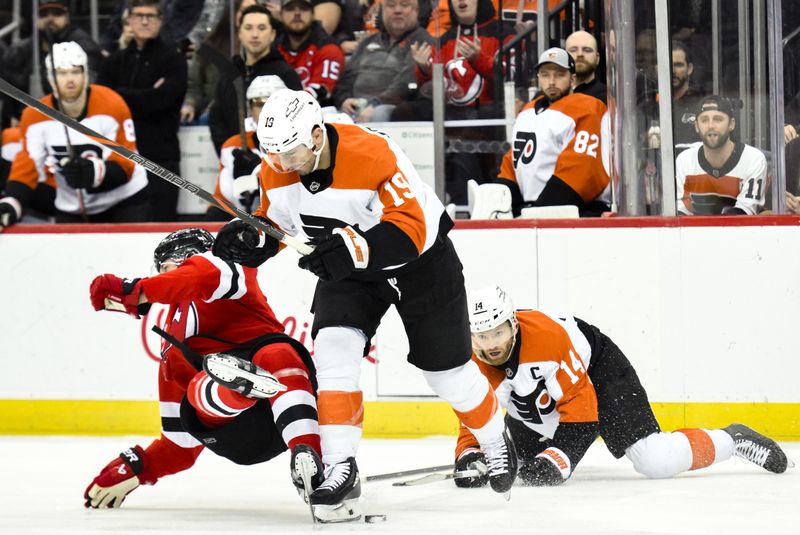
column 256, row 35
column 151, row 77
column 54, row 26
column 236, row 181
column 685, row 98
column 719, row 176
column 378, row 76
column 93, row 184
column 329, row 14
column 582, row 46
column 558, row 144
column 309, row 49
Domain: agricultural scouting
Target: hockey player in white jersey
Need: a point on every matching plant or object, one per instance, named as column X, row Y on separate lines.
column 93, row 183
column 564, row 383
column 560, row 143
column 719, row 175
column 381, row 239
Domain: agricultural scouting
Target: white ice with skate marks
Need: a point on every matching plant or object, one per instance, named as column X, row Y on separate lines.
column 43, row 480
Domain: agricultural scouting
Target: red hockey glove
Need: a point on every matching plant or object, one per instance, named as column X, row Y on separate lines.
column 118, row 479
column 110, row 292
column 549, row 468
column 467, row 461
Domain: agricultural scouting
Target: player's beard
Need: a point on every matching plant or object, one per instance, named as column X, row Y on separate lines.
column 722, row 138
column 557, row 94
column 584, row 69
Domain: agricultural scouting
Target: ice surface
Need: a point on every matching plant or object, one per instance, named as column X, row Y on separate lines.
column 42, row 480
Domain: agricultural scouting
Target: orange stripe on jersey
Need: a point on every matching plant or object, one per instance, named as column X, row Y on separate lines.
column 725, row 186
column 340, row 408
column 12, row 135
column 703, row 451
column 507, row 167
column 480, row 415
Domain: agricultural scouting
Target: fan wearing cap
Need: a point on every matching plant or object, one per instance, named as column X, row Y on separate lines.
column 560, row 144
column 308, row 48
column 237, row 180
column 719, row 175
column 54, row 26
column 92, row 183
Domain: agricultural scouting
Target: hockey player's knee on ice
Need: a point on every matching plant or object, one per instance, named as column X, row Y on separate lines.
column 337, row 355
column 661, row 455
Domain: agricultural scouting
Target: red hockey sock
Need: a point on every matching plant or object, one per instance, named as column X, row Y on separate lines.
column 295, row 410
column 215, row 404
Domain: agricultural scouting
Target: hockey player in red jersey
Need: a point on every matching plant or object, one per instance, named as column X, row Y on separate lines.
column 92, row 182
column 380, row 236
column 311, row 52
column 559, row 144
column 241, row 388
column 564, row 383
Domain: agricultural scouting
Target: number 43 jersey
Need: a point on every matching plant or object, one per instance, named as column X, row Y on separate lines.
column 568, row 138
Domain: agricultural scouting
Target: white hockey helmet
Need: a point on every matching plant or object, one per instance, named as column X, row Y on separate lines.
column 488, row 308
column 66, row 55
column 264, row 86
column 285, row 129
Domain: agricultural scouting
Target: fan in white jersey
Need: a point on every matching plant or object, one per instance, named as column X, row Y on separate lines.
column 238, row 167
column 92, row 183
column 560, row 144
column 564, row 383
column 719, row 175
column 380, row 237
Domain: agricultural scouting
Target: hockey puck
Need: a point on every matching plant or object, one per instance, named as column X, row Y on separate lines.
column 374, row 519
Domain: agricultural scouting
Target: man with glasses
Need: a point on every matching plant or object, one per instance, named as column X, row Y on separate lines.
column 378, row 74
column 151, row 77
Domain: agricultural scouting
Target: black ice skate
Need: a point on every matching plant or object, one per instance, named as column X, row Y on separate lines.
column 756, row 448
column 242, row 376
column 336, row 499
column 501, row 460
column 306, row 468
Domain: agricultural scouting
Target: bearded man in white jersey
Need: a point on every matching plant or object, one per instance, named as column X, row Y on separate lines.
column 93, row 184
column 380, row 237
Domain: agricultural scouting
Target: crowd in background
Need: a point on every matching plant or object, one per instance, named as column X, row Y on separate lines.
column 186, row 62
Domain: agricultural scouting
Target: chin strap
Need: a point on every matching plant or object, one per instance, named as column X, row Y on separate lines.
column 318, row 153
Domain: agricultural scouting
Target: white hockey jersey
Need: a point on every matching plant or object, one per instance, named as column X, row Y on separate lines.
column 705, row 190
column 373, row 181
column 44, row 143
column 568, row 139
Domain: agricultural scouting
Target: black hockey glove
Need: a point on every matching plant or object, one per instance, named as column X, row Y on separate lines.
column 550, row 468
column 10, row 211
column 733, row 210
column 83, row 173
column 244, row 162
column 241, row 243
column 337, row 255
column 467, row 461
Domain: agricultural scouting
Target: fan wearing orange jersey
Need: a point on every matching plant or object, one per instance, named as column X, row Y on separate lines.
column 717, row 175
column 92, row 182
column 560, row 144
column 380, row 237
column 564, row 383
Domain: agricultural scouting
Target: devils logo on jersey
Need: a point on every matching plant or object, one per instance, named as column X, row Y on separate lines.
column 524, row 147
column 466, row 85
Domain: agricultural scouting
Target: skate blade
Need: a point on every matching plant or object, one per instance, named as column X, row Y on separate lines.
column 307, row 469
column 347, row 511
column 227, row 373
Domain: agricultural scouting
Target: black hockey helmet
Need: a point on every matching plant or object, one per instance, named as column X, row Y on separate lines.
column 180, row 245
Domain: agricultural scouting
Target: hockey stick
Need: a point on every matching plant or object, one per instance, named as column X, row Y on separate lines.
column 154, row 168
column 406, row 473
column 441, row 476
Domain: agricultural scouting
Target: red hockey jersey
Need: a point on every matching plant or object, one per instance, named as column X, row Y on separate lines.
column 318, row 61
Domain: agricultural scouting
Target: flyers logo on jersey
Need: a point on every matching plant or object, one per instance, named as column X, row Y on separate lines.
column 531, row 407
column 524, row 147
